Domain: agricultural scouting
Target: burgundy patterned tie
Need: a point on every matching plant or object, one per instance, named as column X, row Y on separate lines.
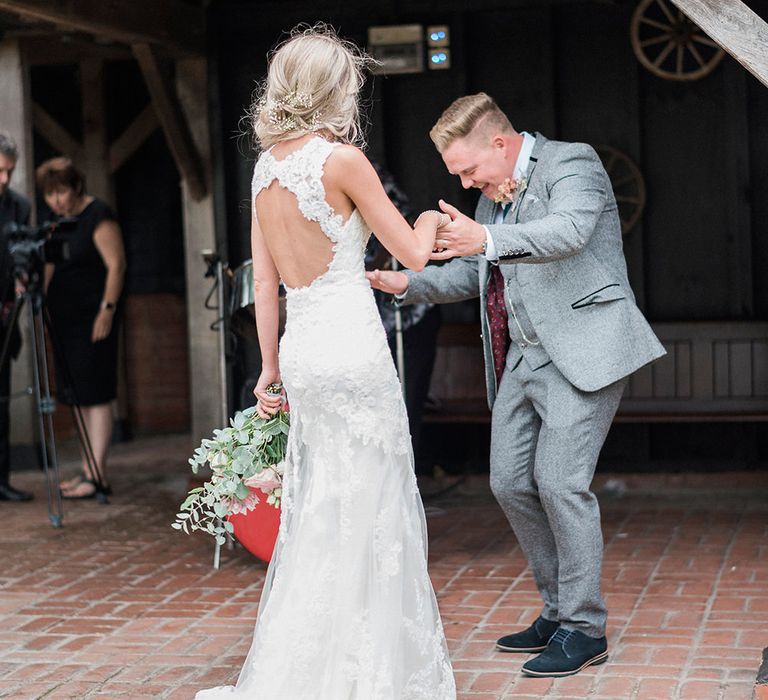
column 497, row 321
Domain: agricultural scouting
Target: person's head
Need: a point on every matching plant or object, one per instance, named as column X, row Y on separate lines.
column 62, row 185
column 312, row 85
column 8, row 157
column 477, row 142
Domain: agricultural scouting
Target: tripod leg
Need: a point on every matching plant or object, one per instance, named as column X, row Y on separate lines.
column 45, row 408
column 96, row 474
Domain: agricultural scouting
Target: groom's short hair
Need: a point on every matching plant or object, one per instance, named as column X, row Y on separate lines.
column 464, row 115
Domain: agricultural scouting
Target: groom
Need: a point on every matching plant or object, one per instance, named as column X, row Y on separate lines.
column 561, row 333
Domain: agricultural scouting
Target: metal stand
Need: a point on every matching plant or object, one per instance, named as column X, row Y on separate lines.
column 29, row 248
column 399, row 344
column 216, row 269
column 45, row 403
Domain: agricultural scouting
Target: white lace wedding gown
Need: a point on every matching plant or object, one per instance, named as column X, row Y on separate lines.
column 348, row 611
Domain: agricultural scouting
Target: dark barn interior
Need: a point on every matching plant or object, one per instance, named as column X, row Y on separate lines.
column 685, row 156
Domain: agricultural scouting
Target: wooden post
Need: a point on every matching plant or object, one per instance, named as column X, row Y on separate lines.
column 95, row 147
column 206, row 386
column 15, row 113
column 730, row 23
column 16, row 118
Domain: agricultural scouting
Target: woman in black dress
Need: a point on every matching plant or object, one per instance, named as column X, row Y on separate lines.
column 82, row 295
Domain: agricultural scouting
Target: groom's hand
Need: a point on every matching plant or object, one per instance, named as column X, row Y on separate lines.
column 462, row 237
column 388, row 281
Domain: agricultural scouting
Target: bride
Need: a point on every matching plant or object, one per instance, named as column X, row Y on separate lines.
column 348, row 611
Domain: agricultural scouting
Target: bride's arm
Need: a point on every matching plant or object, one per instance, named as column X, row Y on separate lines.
column 353, row 174
column 266, row 282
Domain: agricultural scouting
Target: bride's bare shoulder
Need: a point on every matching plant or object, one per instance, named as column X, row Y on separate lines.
column 347, row 154
column 347, row 161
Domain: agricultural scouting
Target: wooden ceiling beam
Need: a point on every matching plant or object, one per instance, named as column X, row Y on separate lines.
column 172, row 119
column 49, row 49
column 731, row 24
column 175, row 25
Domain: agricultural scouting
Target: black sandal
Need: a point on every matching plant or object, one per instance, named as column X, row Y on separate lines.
column 82, row 479
column 76, row 480
column 98, row 490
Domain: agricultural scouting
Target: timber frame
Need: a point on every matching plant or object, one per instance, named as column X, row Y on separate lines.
column 166, row 38
column 177, row 26
column 155, row 34
column 157, row 76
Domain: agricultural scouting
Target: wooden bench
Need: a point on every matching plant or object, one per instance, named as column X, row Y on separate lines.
column 713, row 372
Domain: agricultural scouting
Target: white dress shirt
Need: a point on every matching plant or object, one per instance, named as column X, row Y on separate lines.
column 521, row 167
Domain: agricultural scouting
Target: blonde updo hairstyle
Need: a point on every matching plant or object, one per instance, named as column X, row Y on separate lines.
column 312, row 85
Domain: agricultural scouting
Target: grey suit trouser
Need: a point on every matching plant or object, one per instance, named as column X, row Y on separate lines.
column 546, row 436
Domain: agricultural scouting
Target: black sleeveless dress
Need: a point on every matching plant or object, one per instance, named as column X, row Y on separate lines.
column 86, row 372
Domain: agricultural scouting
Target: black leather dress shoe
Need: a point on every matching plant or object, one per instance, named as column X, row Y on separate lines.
column 8, row 493
column 530, row 640
column 568, row 652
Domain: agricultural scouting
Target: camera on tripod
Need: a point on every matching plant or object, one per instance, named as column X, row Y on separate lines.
column 29, row 247
column 24, row 251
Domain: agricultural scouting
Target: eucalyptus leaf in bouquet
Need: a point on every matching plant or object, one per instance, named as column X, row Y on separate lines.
column 246, row 460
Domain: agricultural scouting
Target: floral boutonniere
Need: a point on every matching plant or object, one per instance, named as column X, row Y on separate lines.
column 509, row 190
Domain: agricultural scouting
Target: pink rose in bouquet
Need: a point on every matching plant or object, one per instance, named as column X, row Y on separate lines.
column 236, row 505
column 267, row 480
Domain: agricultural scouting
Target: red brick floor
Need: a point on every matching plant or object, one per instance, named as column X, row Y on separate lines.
column 116, row 604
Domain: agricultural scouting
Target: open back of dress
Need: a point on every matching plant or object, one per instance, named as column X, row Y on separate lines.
column 301, row 250
column 348, row 611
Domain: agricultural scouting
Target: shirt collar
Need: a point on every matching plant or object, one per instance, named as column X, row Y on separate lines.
column 521, row 165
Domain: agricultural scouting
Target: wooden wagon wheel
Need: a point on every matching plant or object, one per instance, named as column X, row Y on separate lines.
column 669, row 45
column 628, row 185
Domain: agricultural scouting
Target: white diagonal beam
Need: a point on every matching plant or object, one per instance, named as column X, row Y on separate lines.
column 741, row 32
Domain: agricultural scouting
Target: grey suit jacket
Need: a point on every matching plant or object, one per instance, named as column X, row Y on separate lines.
column 564, row 237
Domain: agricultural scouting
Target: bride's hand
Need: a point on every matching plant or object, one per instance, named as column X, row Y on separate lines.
column 267, row 405
column 388, row 281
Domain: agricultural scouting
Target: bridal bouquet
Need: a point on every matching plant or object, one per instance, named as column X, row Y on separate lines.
column 245, row 459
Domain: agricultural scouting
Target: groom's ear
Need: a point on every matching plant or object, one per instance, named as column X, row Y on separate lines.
column 498, row 142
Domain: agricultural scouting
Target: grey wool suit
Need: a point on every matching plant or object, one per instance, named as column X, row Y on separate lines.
column 576, row 334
